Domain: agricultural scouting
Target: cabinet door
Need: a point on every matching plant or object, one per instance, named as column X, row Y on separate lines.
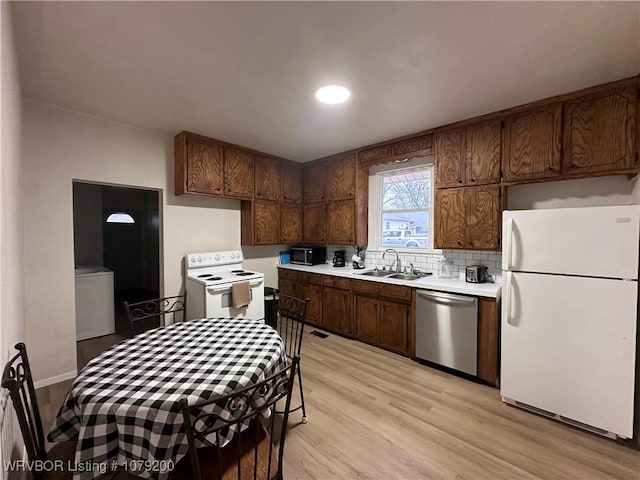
column 266, row 218
column 341, row 177
column 288, row 287
column 238, row 173
column 313, row 221
column 599, row 132
column 291, row 182
column 483, row 219
column 341, row 217
column 314, row 307
column 394, row 326
column 450, row 166
column 313, row 182
column 204, row 167
column 482, row 153
column 449, row 218
column 267, row 178
column 291, row 223
column 336, row 310
column 366, row 319
column 531, row 147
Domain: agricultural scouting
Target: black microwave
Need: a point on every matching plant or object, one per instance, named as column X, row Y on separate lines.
column 308, row 255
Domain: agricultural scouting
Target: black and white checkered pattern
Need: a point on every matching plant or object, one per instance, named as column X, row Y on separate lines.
column 122, row 407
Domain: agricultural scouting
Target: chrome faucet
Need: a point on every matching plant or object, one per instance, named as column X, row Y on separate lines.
column 397, row 262
column 411, row 269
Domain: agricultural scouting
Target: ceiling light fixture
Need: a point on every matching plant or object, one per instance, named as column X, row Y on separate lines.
column 333, row 94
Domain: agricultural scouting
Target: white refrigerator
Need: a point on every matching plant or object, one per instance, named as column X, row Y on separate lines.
column 570, row 314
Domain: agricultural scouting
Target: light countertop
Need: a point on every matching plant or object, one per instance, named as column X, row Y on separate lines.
column 431, row 282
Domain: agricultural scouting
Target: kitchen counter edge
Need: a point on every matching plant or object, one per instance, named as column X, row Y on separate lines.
column 448, row 285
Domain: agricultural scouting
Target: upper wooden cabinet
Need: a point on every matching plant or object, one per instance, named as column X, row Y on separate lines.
column 468, row 218
column 314, row 179
column 291, row 223
column 468, row 155
column 198, row 166
column 313, row 223
column 341, row 223
column 419, row 146
column 341, row 177
column 268, row 178
column 482, row 153
column 450, row 158
column 260, row 223
column 600, row 132
column 238, row 173
column 291, row 182
column 532, row 140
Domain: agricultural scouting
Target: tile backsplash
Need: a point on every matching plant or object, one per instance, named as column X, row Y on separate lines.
column 428, row 262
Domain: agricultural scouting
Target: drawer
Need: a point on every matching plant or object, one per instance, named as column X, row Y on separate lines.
column 365, row 287
column 396, row 291
column 337, row 282
column 287, row 274
column 315, row 279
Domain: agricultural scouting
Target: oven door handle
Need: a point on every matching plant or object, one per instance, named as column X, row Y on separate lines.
column 227, row 286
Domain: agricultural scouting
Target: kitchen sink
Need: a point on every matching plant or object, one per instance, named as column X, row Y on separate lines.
column 405, row 276
column 376, row 273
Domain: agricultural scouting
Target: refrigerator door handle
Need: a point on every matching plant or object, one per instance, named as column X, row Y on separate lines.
column 507, row 298
column 509, row 243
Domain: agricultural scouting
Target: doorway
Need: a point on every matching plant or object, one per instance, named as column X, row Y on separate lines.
column 116, row 233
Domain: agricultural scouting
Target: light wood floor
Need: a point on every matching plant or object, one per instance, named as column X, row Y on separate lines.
column 376, row 415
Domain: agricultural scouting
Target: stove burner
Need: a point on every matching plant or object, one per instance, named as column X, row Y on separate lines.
column 244, row 274
column 237, row 271
column 215, row 278
column 206, row 275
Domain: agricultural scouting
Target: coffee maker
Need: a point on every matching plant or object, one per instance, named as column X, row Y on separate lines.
column 338, row 258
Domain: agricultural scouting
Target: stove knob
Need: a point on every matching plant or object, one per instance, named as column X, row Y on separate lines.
column 199, row 258
column 217, row 257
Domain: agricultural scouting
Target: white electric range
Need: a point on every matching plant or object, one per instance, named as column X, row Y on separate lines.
column 208, row 278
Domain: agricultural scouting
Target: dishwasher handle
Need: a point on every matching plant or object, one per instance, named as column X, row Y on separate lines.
column 437, row 296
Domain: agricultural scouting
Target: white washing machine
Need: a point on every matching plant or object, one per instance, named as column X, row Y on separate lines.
column 95, row 315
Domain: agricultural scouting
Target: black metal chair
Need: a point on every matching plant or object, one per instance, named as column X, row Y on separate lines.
column 257, row 451
column 291, row 318
column 148, row 314
column 17, row 379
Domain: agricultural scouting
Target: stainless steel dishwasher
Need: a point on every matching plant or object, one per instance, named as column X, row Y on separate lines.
column 447, row 330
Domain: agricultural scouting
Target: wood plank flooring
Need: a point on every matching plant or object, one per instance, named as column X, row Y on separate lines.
column 376, row 415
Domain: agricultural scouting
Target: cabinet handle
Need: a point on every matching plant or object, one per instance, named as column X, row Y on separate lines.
column 473, row 179
column 574, row 165
column 471, row 244
column 550, row 168
column 458, row 242
column 459, row 181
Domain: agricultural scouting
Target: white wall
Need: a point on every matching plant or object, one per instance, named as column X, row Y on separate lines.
column 11, row 232
column 62, row 145
column 587, row 192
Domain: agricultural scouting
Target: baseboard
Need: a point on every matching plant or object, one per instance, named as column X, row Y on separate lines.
column 45, row 382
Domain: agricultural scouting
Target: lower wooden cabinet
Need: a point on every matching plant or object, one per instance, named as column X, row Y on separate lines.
column 336, row 310
column 383, row 315
column 488, row 340
column 383, row 323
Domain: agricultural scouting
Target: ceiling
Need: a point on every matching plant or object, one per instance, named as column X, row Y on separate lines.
column 246, row 72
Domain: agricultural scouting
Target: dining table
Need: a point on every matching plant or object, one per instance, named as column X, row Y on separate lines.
column 123, row 406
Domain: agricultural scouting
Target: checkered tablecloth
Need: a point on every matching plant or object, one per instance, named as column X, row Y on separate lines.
column 122, row 407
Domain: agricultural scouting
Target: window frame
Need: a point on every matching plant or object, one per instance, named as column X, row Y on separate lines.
column 376, row 211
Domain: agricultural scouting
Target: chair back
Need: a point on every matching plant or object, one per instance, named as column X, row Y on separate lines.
column 143, row 316
column 16, row 378
column 291, row 319
column 251, row 453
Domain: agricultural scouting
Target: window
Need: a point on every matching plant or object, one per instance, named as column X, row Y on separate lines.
column 403, row 208
column 120, row 217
